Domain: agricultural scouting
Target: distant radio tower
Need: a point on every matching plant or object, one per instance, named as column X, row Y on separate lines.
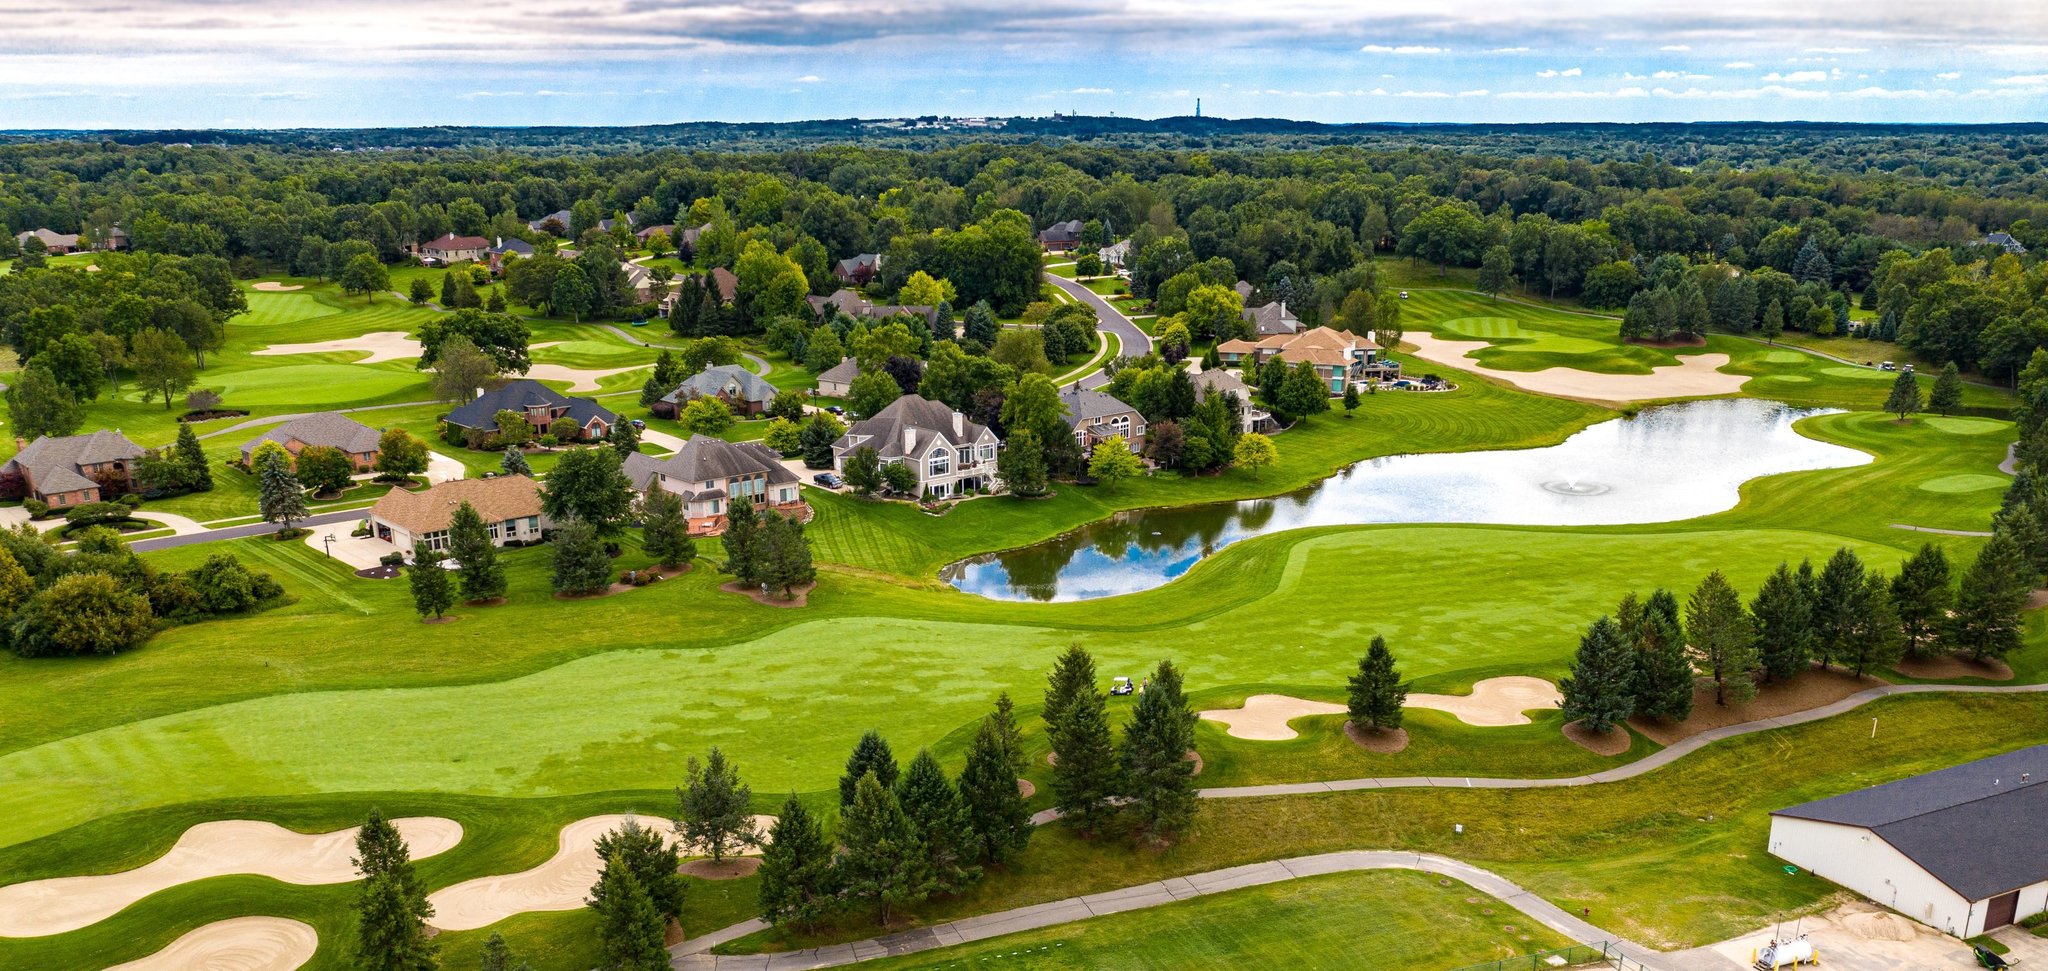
column 1198, row 107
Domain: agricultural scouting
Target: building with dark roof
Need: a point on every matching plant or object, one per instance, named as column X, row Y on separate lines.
column 742, row 390
column 1960, row 849
column 951, row 455
column 74, row 469
column 709, row 473
column 856, row 271
column 331, row 429
column 837, row 381
column 2005, row 242
column 1095, row 416
column 451, row 248
column 1061, row 237
column 540, row 404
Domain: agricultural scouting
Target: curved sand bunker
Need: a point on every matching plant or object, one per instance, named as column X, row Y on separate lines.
column 214, row 849
column 561, row 883
column 382, row 345
column 272, row 286
column 240, row 944
column 579, row 379
column 1493, row 703
column 1694, row 375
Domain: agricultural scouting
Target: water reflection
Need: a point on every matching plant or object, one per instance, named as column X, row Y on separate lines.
column 1669, row 463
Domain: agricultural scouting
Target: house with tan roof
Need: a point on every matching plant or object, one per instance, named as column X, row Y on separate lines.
column 55, row 244
column 1339, row 357
column 509, row 505
column 837, row 381
column 451, row 248
column 75, row 469
column 709, row 473
column 331, row 429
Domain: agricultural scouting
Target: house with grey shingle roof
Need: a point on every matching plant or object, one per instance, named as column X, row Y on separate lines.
column 540, row 404
column 742, row 390
column 330, row 429
column 950, row 454
column 856, row 271
column 2004, row 241
column 709, row 473
column 74, row 469
column 1270, row 320
column 1061, row 236
column 1095, row 416
column 837, row 381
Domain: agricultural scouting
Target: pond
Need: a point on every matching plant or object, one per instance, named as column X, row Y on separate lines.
column 1668, row 463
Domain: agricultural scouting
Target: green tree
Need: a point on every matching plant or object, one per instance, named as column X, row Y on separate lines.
column 280, row 497
column 39, row 405
column 1987, row 622
column 1782, row 614
column 191, row 458
column 461, row 370
column 1723, row 639
column 1351, row 401
column 1599, row 692
column 623, row 439
column 629, row 931
column 1496, row 271
column 664, row 532
column 784, row 436
column 705, row 416
column 590, row 486
column 399, row 455
column 945, row 832
column 1254, row 452
column 996, row 812
column 1112, row 463
column 1021, row 465
column 1838, row 595
column 785, row 555
column 1158, row 779
column 1773, row 322
column 742, row 541
column 1664, row 669
column 572, row 293
column 498, row 956
column 863, row 471
column 797, row 881
column 922, row 290
column 469, row 541
column 421, row 291
column 579, row 561
column 711, row 808
column 391, row 903
column 1921, row 597
column 872, row 391
column 1085, row 780
column 1377, row 692
column 80, row 614
column 821, row 430
column 900, row 478
column 870, row 755
column 880, row 863
column 513, row 462
column 1876, row 640
column 1905, row 397
column 431, row 593
column 652, row 859
column 1948, row 391
column 366, row 276
column 325, row 470
column 979, row 325
column 75, row 362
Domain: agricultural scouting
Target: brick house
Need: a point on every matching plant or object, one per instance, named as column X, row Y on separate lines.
column 75, row 469
column 331, row 429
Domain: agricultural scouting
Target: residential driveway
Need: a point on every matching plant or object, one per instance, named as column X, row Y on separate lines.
column 656, row 437
column 359, row 552
column 180, row 525
column 1857, row 936
column 442, row 468
column 1134, row 340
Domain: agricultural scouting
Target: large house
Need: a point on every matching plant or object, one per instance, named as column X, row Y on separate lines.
column 452, row 248
column 741, row 390
column 505, row 248
column 951, row 455
column 1270, row 320
column 509, row 505
column 1250, row 418
column 1959, row 850
column 75, row 469
column 563, row 219
column 1095, row 416
column 1339, row 357
column 639, row 279
column 331, row 429
column 1116, row 256
column 540, row 404
column 854, row 305
column 686, row 241
column 55, row 244
column 2005, row 242
column 668, row 229
column 856, row 271
column 709, row 473
column 116, row 238
column 837, row 381
column 1060, row 237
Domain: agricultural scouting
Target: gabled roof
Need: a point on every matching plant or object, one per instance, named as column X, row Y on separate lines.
column 50, row 239
column 1083, row 404
column 713, row 381
column 1061, row 232
column 1270, row 319
column 330, row 428
column 727, row 284
column 704, row 459
column 560, row 215
column 1320, row 345
column 1974, row 827
column 688, row 237
column 841, row 373
column 845, row 301
column 853, row 264
column 929, row 422
column 452, row 242
column 639, row 468
column 669, row 228
column 430, row 510
column 51, row 463
column 1243, row 289
column 1221, row 381
column 518, row 396
column 514, row 245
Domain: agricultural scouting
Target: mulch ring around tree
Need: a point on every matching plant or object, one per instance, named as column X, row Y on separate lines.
column 443, row 619
column 380, row 572
column 799, row 596
column 732, row 868
column 486, row 602
column 1053, row 758
column 1384, row 742
column 623, row 587
column 1613, row 742
column 1808, row 690
column 1949, row 667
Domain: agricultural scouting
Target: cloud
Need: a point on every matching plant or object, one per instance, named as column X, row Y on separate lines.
column 1405, row 49
column 1508, row 50
column 1737, row 65
column 1570, row 72
column 1948, row 75
column 1676, row 48
column 1474, row 93
column 809, row 79
column 1628, row 92
column 2023, row 79
column 1090, row 91
column 1838, row 50
column 284, row 96
column 1797, row 77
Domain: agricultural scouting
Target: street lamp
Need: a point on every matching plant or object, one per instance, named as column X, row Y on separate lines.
column 329, row 541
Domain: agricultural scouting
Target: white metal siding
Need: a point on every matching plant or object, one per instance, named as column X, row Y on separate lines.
column 1862, row 861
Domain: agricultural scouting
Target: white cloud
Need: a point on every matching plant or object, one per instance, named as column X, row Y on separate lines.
column 1737, row 65
column 1096, row 91
column 1509, row 50
column 1948, row 75
column 1838, row 50
column 1797, row 77
column 1669, row 75
column 1570, row 72
column 1474, row 93
column 1676, row 48
column 1628, row 92
column 809, row 79
column 2028, row 79
column 1405, row 49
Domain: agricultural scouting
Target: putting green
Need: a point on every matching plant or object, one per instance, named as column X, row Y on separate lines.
column 275, row 309
column 1966, row 426
column 1785, row 357
column 1860, row 373
column 1486, row 328
column 1965, row 482
column 307, row 385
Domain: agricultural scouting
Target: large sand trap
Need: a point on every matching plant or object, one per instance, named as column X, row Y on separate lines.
column 561, row 883
column 272, row 286
column 382, row 345
column 240, row 944
column 579, row 379
column 1694, row 375
column 1264, row 718
column 62, row 904
column 1493, row 702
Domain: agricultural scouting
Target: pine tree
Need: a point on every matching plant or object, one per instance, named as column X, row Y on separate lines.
column 1905, row 397
column 1875, row 641
column 1921, row 596
column 1072, row 674
column 629, row 930
column 797, row 885
column 1837, row 597
column 664, row 533
column 279, row 495
column 431, row 595
column 391, row 903
column 1987, row 622
column 579, row 561
column 742, row 546
column 497, row 954
column 880, row 863
column 784, row 555
column 623, row 439
column 1159, row 783
column 1084, row 769
column 653, row 861
column 1599, row 692
column 1783, row 618
column 2019, row 523
column 945, row 831
column 1948, row 391
column 1773, row 321
column 1723, row 639
column 1377, row 692
column 469, row 541
column 1662, row 683
column 995, row 805
column 711, row 808
column 192, row 460
column 514, row 463
column 1011, row 737
column 870, row 755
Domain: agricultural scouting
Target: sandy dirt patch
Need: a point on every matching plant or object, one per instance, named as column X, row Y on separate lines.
column 272, row 286
column 1949, row 667
column 1809, row 690
column 799, row 596
column 1614, row 742
column 1863, row 936
column 1695, row 375
column 1494, row 702
column 579, row 379
column 1026, row 788
column 382, row 345
column 1380, row 742
column 1264, row 718
column 731, row 868
column 561, row 883
column 240, row 944
column 62, row 904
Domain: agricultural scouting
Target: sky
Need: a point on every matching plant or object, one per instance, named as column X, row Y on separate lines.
column 360, row 63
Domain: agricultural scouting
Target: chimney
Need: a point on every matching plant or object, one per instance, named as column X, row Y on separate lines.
column 909, row 440
column 959, row 425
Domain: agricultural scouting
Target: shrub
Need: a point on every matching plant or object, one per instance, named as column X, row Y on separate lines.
column 392, row 559
column 85, row 613
column 95, row 514
column 223, row 585
column 37, row 508
column 131, row 500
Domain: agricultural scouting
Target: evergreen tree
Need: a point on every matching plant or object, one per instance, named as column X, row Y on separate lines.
column 1905, row 397
column 1377, row 691
column 1159, row 783
column 1773, row 323
column 2019, row 523
column 1662, row 683
column 870, row 755
column 664, row 533
column 1948, row 391
column 995, row 805
column 742, row 543
column 945, row 830
column 1875, row 641
column 1837, row 597
column 1084, row 774
column 1010, row 735
column 630, row 931
column 514, row 463
column 785, row 555
column 391, row 903
column 1723, row 639
column 192, row 462
column 1783, row 617
column 797, row 884
column 711, row 808
column 1921, row 596
column 653, row 861
column 497, row 954
column 431, row 594
column 623, row 439
column 280, row 497
column 980, row 324
column 469, row 541
column 1987, row 621
column 1599, row 692
column 1351, row 401
column 580, row 564
column 880, row 863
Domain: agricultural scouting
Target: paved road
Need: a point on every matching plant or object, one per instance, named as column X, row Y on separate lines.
column 1135, row 342
column 690, row 955
column 239, row 532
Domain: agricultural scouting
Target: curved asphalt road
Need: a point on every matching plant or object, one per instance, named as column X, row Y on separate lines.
column 1134, row 340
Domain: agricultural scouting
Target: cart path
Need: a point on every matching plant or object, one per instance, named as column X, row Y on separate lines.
column 1943, row 532
column 691, row 954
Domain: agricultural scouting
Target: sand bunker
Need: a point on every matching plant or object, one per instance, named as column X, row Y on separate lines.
column 1493, row 703
column 240, row 944
column 382, row 345
column 1695, row 375
column 271, row 286
column 579, row 379
column 561, row 883
column 62, row 904
column 1264, row 718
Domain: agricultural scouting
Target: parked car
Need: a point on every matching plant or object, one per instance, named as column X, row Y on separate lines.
column 1909, row 369
column 836, row 410
column 641, row 425
column 828, row 480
